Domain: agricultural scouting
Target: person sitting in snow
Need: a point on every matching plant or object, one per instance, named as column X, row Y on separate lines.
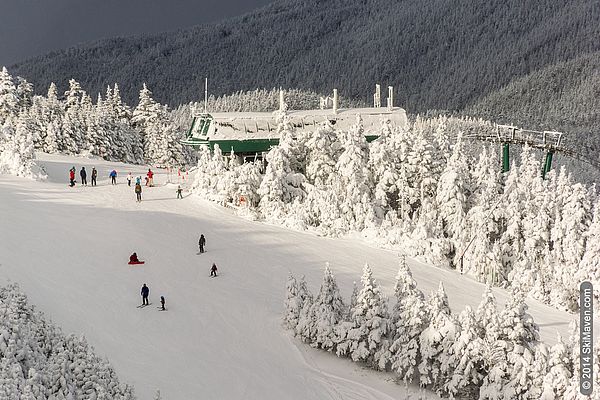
column 213, row 270
column 133, row 258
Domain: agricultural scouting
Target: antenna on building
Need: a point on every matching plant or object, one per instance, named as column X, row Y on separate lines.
column 390, row 99
column 281, row 100
column 205, row 94
column 377, row 96
column 335, row 101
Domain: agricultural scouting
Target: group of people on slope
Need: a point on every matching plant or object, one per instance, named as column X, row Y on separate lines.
column 146, row 293
column 146, row 290
column 82, row 175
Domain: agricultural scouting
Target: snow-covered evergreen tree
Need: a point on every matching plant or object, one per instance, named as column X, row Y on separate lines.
column 9, row 101
column 436, row 340
column 409, row 319
column 366, row 339
column 328, row 310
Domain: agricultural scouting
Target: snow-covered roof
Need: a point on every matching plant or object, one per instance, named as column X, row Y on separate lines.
column 253, row 125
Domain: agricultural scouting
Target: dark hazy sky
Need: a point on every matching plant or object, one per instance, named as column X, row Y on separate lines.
column 33, row 27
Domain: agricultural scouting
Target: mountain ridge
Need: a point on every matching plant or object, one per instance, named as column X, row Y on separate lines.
column 437, row 55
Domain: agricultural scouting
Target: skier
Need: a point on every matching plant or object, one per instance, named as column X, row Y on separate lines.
column 138, row 180
column 201, row 243
column 138, row 192
column 150, row 177
column 145, row 293
column 94, row 175
column 179, row 190
column 133, row 258
column 213, row 270
column 83, row 176
column 113, row 177
column 162, row 302
column 72, row 177
column 129, row 179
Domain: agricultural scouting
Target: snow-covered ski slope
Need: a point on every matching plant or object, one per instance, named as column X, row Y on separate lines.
column 221, row 338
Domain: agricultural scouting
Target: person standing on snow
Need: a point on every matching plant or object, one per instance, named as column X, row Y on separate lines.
column 138, row 180
column 72, row 177
column 94, row 176
column 162, row 302
column 150, row 175
column 213, row 270
column 83, row 176
column 138, row 192
column 179, row 190
column 129, row 179
column 201, row 243
column 113, row 177
column 145, row 293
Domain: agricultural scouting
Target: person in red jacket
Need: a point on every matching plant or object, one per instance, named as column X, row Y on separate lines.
column 72, row 177
column 150, row 175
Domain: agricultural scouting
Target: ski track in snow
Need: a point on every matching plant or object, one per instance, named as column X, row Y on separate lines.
column 221, row 338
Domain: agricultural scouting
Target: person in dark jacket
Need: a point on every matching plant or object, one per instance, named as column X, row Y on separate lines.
column 83, row 176
column 94, row 176
column 202, row 243
column 213, row 270
column 162, row 302
column 145, row 293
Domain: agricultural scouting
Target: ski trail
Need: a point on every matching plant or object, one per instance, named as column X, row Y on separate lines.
column 339, row 387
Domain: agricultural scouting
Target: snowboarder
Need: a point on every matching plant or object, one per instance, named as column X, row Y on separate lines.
column 83, row 176
column 150, row 177
column 113, row 177
column 213, row 270
column 94, row 176
column 72, row 177
column 145, row 293
column 129, row 179
column 162, row 303
column 138, row 192
column 201, row 243
column 179, row 190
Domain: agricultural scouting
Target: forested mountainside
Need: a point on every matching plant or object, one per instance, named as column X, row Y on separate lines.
column 561, row 96
column 437, row 54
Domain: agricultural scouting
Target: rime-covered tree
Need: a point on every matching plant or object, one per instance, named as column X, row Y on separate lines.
column 366, row 338
column 9, row 100
column 328, row 310
column 409, row 318
column 436, row 340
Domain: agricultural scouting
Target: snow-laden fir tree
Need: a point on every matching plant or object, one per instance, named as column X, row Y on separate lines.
column 324, row 148
column 588, row 267
column 451, row 199
column 352, row 177
column 560, row 367
column 9, row 100
column 328, row 310
column 409, row 318
column 465, row 365
column 281, row 185
column 18, row 152
column 436, row 340
column 383, row 156
column 297, row 298
column 568, row 237
column 365, row 339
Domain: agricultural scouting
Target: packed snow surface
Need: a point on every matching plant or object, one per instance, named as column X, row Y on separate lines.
column 221, row 338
